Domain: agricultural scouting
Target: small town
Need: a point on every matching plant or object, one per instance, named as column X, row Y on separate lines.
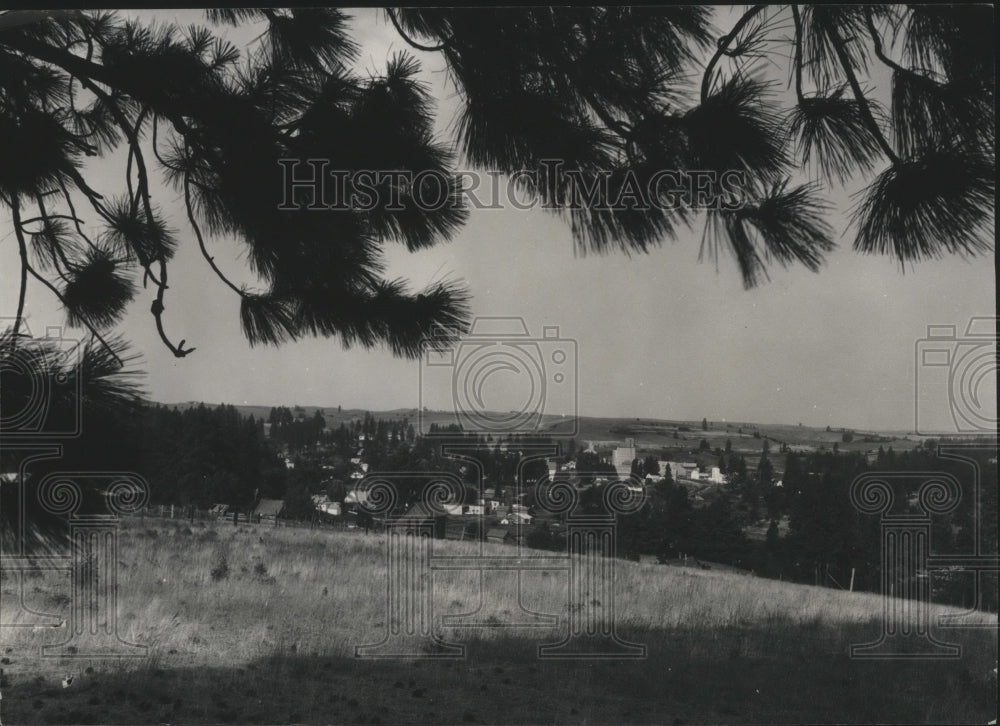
column 521, row 365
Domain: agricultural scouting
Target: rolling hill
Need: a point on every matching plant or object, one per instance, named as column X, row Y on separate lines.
column 651, row 435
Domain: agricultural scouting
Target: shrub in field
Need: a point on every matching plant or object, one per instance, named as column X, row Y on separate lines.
column 221, row 569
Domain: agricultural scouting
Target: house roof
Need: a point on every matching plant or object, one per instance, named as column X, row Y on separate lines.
column 269, row 507
column 418, row 511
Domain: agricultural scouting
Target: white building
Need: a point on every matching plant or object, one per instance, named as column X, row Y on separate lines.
column 356, row 496
column 623, row 457
column 331, row 508
column 682, row 470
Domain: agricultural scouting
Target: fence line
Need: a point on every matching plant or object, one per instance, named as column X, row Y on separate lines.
column 167, row 511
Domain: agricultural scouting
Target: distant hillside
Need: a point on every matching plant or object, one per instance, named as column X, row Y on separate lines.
column 651, row 435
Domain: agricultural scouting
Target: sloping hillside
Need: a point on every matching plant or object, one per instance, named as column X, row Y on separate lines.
column 259, row 625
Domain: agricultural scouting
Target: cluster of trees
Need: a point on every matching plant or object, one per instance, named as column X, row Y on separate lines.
column 670, row 525
column 298, row 432
column 477, row 460
column 382, row 436
column 206, row 455
column 648, row 466
column 828, row 539
column 295, row 430
column 96, row 412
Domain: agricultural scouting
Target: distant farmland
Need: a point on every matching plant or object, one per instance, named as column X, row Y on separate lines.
column 648, row 433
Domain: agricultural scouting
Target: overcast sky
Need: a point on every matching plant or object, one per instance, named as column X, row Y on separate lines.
column 658, row 335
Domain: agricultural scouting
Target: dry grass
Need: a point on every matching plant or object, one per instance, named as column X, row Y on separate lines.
column 273, row 640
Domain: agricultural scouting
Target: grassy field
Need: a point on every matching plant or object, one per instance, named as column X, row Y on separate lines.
column 272, row 641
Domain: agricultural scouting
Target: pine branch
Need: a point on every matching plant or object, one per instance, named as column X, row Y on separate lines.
column 157, row 310
column 798, row 52
column 723, row 45
column 82, row 319
column 46, row 217
column 882, row 56
column 22, row 249
column 852, row 79
column 57, row 249
column 76, row 220
column 201, row 239
column 157, row 307
column 93, row 197
column 410, row 41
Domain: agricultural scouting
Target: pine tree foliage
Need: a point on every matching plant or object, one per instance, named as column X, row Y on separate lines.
column 615, row 95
